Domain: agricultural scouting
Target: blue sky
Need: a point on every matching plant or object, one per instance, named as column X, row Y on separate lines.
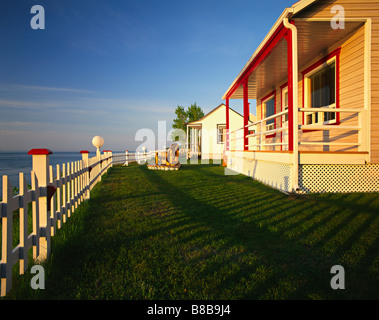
column 113, row 67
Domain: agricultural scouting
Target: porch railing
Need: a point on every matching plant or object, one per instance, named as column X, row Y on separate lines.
column 237, row 134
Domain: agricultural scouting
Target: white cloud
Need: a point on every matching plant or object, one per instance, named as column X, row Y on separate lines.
column 29, row 88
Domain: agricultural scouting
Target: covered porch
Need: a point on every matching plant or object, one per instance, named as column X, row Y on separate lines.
column 288, row 142
column 193, row 143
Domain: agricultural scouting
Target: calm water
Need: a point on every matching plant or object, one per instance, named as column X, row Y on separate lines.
column 13, row 163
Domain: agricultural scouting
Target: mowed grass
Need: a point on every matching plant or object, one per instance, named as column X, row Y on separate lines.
column 197, row 233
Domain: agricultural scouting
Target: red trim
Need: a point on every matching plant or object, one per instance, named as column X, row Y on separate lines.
column 284, row 85
column 322, row 60
column 335, row 53
column 40, row 152
column 281, row 110
column 227, row 123
column 84, row 151
column 261, row 56
column 246, row 114
column 290, row 90
column 273, row 93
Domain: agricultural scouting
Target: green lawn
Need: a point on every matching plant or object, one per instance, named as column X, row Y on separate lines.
column 199, row 234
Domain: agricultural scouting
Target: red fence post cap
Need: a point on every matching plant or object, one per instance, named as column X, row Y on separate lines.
column 84, row 151
column 40, row 151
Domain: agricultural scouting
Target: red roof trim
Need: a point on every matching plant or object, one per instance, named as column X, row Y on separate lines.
column 265, row 51
column 84, row 151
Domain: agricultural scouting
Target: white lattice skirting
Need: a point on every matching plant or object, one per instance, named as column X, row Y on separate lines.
column 273, row 174
column 312, row 178
column 339, row 178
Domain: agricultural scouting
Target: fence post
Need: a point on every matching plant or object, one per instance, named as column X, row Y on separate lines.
column 106, row 159
column 59, row 198
column 85, row 156
column 7, row 237
column 40, row 163
column 126, row 158
column 110, row 158
column 23, row 223
column 99, row 159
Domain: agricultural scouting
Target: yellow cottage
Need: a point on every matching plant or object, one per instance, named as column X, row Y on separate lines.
column 315, row 79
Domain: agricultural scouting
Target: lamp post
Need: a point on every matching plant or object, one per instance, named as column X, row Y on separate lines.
column 97, row 142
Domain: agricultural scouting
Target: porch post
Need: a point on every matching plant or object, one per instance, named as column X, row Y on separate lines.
column 245, row 113
column 288, row 37
column 187, row 143
column 227, row 124
column 196, row 137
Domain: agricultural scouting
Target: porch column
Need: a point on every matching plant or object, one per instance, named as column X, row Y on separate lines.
column 195, row 139
column 227, row 124
column 187, row 138
column 288, row 37
column 245, row 113
column 191, row 141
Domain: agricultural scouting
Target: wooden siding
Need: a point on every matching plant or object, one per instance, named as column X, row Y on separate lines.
column 352, row 78
column 351, row 96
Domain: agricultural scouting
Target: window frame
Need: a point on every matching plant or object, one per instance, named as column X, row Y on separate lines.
column 333, row 57
column 270, row 96
column 283, row 91
column 284, row 118
column 220, row 135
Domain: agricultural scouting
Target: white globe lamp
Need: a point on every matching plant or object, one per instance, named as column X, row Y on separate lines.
column 97, row 142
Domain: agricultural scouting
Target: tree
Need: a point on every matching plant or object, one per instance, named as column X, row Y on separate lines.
column 193, row 113
column 181, row 118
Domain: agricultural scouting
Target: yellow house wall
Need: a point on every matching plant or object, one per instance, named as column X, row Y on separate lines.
column 351, row 97
column 352, row 71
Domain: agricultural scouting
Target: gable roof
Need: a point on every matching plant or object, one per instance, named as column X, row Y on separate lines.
column 212, row 111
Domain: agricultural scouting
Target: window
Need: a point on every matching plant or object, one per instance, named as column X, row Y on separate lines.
column 268, row 107
column 320, row 91
column 221, row 133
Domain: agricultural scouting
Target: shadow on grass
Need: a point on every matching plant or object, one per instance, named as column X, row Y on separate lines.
column 198, row 234
column 293, row 269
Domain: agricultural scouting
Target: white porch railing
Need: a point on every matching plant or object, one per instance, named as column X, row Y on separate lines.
column 262, row 133
column 54, row 196
column 138, row 157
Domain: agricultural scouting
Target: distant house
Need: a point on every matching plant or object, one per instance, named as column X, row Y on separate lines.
column 315, row 79
column 206, row 137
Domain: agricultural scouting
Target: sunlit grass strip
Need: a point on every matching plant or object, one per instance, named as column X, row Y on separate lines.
column 199, row 234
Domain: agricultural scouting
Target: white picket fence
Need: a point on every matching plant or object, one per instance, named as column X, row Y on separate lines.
column 138, row 157
column 54, row 195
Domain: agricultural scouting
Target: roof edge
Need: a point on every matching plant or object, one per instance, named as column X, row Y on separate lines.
column 287, row 13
